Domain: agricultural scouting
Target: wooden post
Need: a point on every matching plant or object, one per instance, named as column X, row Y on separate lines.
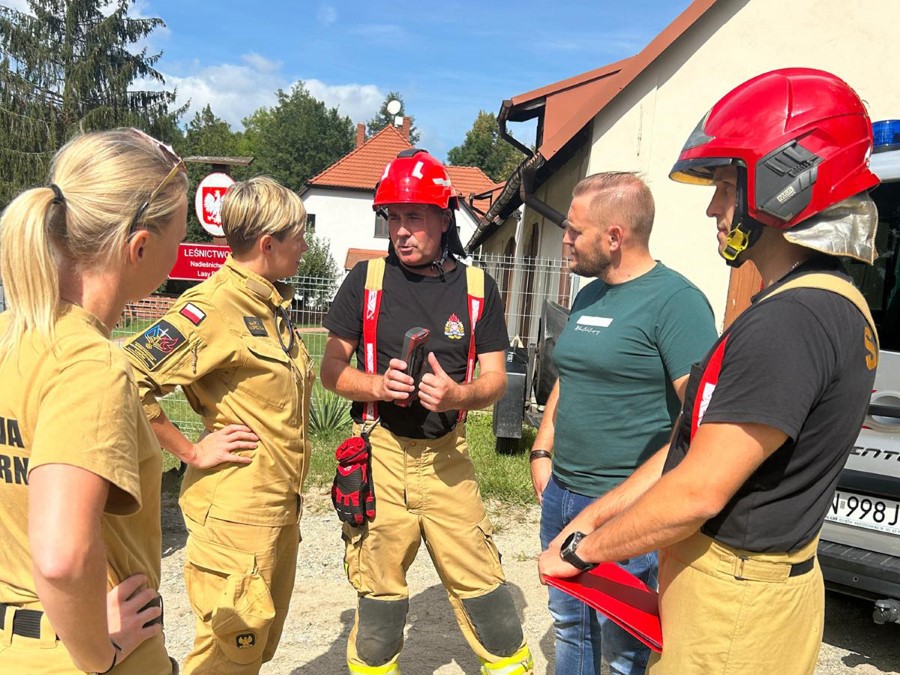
column 745, row 282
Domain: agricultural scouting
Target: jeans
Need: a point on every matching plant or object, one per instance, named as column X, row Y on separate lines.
column 582, row 634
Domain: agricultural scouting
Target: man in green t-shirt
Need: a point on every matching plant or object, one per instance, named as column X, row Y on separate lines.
column 623, row 359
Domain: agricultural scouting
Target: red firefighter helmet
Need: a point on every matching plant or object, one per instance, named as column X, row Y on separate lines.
column 415, row 177
column 800, row 137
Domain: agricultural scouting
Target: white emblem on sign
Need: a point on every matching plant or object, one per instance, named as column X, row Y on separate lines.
column 442, row 181
column 212, row 206
column 387, row 170
column 417, row 170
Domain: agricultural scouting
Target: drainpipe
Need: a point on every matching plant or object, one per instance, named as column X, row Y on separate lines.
column 529, row 169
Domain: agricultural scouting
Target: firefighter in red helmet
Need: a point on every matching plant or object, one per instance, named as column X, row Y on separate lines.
column 736, row 502
column 408, row 477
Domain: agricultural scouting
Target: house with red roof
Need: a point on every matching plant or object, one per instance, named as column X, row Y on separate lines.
column 636, row 114
column 339, row 199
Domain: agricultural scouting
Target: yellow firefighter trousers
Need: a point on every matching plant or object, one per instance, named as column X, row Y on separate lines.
column 48, row 656
column 726, row 611
column 239, row 580
column 424, row 489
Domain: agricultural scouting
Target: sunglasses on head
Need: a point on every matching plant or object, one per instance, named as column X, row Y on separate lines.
column 177, row 167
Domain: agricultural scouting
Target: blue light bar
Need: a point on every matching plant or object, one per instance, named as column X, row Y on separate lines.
column 887, row 135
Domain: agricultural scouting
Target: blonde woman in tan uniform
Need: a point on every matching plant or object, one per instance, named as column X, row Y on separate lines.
column 235, row 354
column 79, row 465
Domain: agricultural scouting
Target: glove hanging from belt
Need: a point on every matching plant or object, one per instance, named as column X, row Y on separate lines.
column 352, row 492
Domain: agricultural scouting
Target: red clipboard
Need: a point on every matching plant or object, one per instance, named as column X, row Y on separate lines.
column 621, row 596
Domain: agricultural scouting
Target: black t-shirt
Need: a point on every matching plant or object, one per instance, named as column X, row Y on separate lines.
column 410, row 300
column 796, row 362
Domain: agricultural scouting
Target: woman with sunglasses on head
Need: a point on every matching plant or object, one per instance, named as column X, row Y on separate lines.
column 79, row 465
column 235, row 354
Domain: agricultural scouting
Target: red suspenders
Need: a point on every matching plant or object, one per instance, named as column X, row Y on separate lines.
column 372, row 307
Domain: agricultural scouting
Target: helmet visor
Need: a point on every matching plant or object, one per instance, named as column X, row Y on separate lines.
column 698, row 171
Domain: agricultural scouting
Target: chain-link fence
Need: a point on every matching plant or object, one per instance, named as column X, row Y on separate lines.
column 523, row 286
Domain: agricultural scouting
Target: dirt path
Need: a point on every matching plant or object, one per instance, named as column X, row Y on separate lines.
column 322, row 608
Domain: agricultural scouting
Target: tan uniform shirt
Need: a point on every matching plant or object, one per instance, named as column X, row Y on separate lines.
column 77, row 404
column 220, row 343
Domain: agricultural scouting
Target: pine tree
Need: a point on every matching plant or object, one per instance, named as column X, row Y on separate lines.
column 67, row 66
column 383, row 118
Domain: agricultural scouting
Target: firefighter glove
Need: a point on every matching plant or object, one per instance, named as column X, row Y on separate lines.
column 352, row 492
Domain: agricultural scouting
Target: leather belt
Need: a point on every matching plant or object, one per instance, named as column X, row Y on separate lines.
column 27, row 622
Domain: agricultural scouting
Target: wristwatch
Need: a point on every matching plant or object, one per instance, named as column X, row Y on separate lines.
column 567, row 552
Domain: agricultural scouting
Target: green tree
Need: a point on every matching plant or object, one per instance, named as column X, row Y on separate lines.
column 297, row 138
column 485, row 149
column 383, row 118
column 317, row 273
column 71, row 65
column 208, row 136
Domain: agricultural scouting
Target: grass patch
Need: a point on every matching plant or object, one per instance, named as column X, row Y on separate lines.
column 506, row 478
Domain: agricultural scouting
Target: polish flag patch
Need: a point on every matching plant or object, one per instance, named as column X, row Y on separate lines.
column 193, row 313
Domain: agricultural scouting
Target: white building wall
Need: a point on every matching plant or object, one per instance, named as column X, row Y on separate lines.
column 346, row 219
column 646, row 126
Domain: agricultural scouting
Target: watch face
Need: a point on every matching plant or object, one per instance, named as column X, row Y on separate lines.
column 567, row 552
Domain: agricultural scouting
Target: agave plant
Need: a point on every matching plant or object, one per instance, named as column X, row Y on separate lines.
column 329, row 412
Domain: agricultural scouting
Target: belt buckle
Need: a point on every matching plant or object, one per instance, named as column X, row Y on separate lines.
column 739, row 568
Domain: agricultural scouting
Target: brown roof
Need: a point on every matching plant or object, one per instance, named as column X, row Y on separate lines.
column 560, row 101
column 362, row 167
column 567, row 107
column 470, row 180
column 602, row 85
column 355, row 255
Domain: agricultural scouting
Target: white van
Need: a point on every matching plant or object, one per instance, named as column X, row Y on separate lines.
column 859, row 549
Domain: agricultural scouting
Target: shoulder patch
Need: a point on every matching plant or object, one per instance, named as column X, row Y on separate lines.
column 156, row 344
column 193, row 313
column 255, row 325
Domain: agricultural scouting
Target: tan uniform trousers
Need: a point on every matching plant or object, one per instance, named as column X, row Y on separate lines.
column 239, row 580
column 48, row 656
column 424, row 489
column 731, row 612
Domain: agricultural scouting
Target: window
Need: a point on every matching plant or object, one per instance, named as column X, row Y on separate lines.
column 880, row 283
column 381, row 227
column 311, row 222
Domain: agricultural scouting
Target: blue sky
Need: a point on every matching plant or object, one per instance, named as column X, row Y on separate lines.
column 449, row 60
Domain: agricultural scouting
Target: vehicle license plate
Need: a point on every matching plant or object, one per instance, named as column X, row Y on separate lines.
column 870, row 512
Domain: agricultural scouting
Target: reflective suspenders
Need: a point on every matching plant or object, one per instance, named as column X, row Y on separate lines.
column 475, row 294
column 372, row 307
column 822, row 281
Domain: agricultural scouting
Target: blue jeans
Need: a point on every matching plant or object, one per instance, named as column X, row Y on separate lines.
column 583, row 634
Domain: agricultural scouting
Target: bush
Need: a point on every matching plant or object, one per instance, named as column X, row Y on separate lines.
column 329, row 412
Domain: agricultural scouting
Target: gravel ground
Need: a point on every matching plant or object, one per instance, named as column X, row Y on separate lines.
column 322, row 609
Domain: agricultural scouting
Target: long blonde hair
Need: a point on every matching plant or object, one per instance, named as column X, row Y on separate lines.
column 99, row 180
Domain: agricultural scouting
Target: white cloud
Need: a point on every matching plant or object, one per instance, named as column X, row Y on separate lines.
column 235, row 90
column 327, row 15
column 18, row 5
column 359, row 102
